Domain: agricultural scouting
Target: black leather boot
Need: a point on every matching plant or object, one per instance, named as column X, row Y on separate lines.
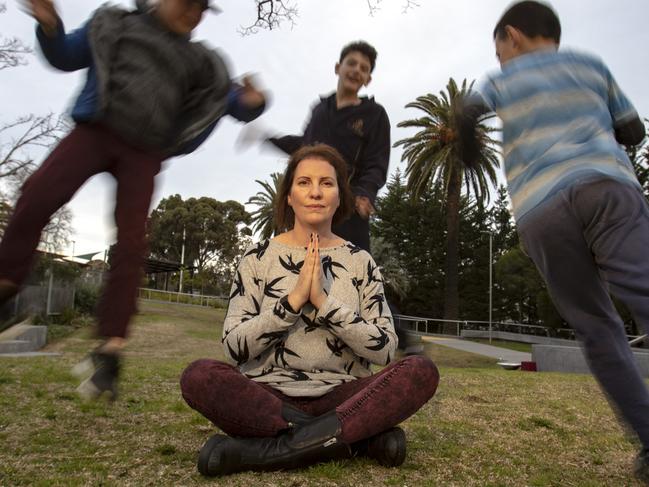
column 388, row 448
column 314, row 442
column 295, row 417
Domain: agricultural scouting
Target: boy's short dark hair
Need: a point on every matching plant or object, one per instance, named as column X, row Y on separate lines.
column 284, row 216
column 362, row 47
column 532, row 19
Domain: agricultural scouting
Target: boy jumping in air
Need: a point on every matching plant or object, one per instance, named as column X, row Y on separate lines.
column 579, row 208
column 150, row 94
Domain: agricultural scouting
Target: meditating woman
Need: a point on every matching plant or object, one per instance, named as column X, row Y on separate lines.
column 307, row 318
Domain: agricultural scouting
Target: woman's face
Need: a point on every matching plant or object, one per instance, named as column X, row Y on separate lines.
column 314, row 193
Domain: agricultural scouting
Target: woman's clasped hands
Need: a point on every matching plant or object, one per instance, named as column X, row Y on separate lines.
column 309, row 286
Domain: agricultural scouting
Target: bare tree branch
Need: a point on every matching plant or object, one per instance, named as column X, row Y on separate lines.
column 409, row 5
column 16, row 164
column 56, row 234
column 35, row 131
column 17, row 139
column 12, row 50
column 272, row 13
column 374, row 6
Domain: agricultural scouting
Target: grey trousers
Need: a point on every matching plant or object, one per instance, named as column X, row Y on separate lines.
column 587, row 240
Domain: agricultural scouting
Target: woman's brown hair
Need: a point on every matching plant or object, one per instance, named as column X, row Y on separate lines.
column 284, row 216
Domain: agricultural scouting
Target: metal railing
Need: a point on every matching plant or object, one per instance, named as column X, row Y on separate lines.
column 182, row 298
column 431, row 326
column 522, row 328
column 434, row 326
column 428, row 326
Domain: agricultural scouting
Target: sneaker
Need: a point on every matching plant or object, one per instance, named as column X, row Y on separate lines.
column 102, row 372
column 641, row 466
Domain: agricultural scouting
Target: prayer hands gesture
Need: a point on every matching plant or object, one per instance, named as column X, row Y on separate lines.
column 309, row 286
column 44, row 12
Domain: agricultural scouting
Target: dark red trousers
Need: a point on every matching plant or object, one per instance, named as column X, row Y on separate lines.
column 365, row 407
column 88, row 150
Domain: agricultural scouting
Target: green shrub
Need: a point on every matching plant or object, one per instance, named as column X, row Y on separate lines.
column 85, row 299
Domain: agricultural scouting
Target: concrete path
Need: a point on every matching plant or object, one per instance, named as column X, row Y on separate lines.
column 498, row 353
column 31, row 354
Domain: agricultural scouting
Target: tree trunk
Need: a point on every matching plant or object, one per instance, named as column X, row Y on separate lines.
column 451, row 295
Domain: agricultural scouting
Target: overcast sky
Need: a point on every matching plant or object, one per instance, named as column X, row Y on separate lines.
column 418, row 52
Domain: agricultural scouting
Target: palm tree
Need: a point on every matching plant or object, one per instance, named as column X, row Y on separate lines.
column 433, row 157
column 263, row 217
column 639, row 156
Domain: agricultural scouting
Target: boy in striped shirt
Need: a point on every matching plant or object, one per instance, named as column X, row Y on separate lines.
column 579, row 208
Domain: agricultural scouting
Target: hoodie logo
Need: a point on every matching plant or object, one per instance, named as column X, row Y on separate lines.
column 357, row 127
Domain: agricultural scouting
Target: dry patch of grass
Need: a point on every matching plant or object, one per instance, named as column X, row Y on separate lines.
column 485, row 426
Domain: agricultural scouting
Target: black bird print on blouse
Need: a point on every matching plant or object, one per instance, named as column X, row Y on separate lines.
column 376, row 300
column 356, row 319
column 310, row 324
column 279, row 311
column 328, row 320
column 336, row 346
column 371, row 273
column 281, row 351
column 241, row 355
column 353, row 249
column 237, row 286
column 259, row 250
column 265, row 371
column 271, row 336
column 381, row 339
column 357, row 283
column 296, row 375
column 289, row 265
column 269, row 289
column 225, row 335
column 328, row 266
column 251, row 314
column 348, row 367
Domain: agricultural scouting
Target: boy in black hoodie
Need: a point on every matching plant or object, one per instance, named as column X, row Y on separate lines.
column 359, row 129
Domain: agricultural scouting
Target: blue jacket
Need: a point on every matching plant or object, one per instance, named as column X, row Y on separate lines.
column 72, row 51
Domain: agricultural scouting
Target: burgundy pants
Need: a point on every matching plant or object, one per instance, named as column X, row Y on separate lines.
column 365, row 407
column 86, row 151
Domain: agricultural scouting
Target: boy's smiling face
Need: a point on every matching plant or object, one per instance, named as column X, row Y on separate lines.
column 181, row 16
column 354, row 72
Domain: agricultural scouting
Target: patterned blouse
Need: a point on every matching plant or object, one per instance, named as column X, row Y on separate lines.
column 307, row 354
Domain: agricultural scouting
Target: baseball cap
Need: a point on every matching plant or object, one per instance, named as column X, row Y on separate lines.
column 146, row 5
column 208, row 5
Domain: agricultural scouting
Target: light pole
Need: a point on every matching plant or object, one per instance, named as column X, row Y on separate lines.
column 182, row 263
column 490, row 280
column 73, row 242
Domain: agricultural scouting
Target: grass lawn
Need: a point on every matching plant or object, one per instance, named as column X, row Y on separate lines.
column 485, row 426
column 517, row 346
